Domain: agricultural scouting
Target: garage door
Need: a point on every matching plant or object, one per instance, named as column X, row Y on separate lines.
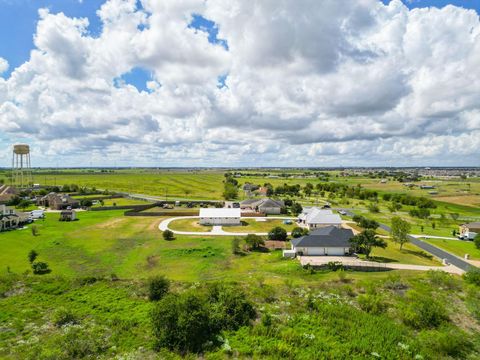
column 335, row 251
column 316, row 251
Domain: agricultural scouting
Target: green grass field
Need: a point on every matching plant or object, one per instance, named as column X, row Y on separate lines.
column 457, row 247
column 188, row 225
column 106, row 242
column 410, row 254
column 252, row 226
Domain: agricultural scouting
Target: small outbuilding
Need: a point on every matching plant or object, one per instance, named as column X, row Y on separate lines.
column 329, row 240
column 220, row 216
column 68, row 215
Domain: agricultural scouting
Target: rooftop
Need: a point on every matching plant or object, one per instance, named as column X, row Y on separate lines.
column 220, row 212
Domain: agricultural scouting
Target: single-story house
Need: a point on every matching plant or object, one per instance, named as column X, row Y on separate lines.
column 220, row 216
column 329, row 240
column 470, row 227
column 314, row 218
column 68, row 215
column 58, row 201
column 266, row 206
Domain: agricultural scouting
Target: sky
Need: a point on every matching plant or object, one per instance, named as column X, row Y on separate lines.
column 241, row 83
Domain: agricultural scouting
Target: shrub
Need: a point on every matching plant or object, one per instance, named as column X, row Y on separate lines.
column 158, row 287
column 40, row 268
column 236, row 250
column 168, row 235
column 476, row 241
column 446, row 341
column 422, row 311
column 34, row 230
column 254, row 242
column 372, row 303
column 442, row 279
column 63, row 316
column 32, row 256
column 299, row 232
column 277, row 233
column 472, row 276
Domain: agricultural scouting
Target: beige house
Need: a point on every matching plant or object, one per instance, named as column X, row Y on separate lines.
column 265, row 206
column 8, row 218
column 58, row 201
column 7, row 193
column 473, row 227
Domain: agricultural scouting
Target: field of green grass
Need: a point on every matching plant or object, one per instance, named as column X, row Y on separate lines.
column 410, row 254
column 457, row 247
column 252, row 226
column 188, row 225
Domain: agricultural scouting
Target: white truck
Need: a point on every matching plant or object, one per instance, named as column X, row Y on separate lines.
column 469, row 235
column 37, row 214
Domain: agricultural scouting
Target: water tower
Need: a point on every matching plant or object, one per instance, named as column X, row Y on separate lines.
column 21, row 170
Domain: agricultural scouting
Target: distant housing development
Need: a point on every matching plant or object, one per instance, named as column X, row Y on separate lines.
column 221, row 216
column 314, row 218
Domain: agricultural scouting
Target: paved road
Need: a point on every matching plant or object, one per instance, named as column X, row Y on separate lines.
column 439, row 253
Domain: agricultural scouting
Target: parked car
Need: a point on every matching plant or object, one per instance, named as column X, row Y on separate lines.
column 236, row 205
column 342, row 212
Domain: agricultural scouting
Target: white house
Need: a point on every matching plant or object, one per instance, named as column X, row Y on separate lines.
column 329, row 240
column 314, row 218
column 220, row 216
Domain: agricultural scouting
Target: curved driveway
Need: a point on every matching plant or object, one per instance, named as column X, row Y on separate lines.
column 216, row 230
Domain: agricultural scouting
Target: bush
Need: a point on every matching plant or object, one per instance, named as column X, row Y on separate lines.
column 158, row 287
column 422, row 311
column 446, row 341
column 372, row 303
column 168, row 235
column 63, row 316
column 277, row 233
column 32, row 256
column 476, row 241
column 34, row 230
column 186, row 322
column 40, row 268
column 299, row 232
column 254, row 242
column 236, row 249
column 472, row 276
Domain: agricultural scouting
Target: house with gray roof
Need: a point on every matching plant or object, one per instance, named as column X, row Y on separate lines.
column 314, row 218
column 330, row 240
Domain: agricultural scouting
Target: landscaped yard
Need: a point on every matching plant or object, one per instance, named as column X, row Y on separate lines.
column 457, row 247
column 252, row 225
column 410, row 254
column 191, row 224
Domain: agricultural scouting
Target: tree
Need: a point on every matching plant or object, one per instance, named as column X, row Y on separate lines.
column 476, row 241
column 168, row 235
column 298, row 232
column 34, row 230
column 86, row 203
column 158, row 287
column 296, row 208
column 254, row 242
column 366, row 240
column 182, row 322
column 32, row 256
column 277, row 233
column 230, row 191
column 40, row 268
column 400, row 230
column 236, row 249
column 23, row 204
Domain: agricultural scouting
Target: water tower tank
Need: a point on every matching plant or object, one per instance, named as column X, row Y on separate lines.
column 21, row 149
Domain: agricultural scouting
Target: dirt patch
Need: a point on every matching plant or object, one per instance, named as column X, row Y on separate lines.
column 110, row 223
column 468, row 200
column 276, row 244
column 152, row 261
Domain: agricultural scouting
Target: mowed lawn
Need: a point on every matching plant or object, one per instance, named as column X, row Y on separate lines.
column 191, row 224
column 457, row 247
column 410, row 254
column 253, row 225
